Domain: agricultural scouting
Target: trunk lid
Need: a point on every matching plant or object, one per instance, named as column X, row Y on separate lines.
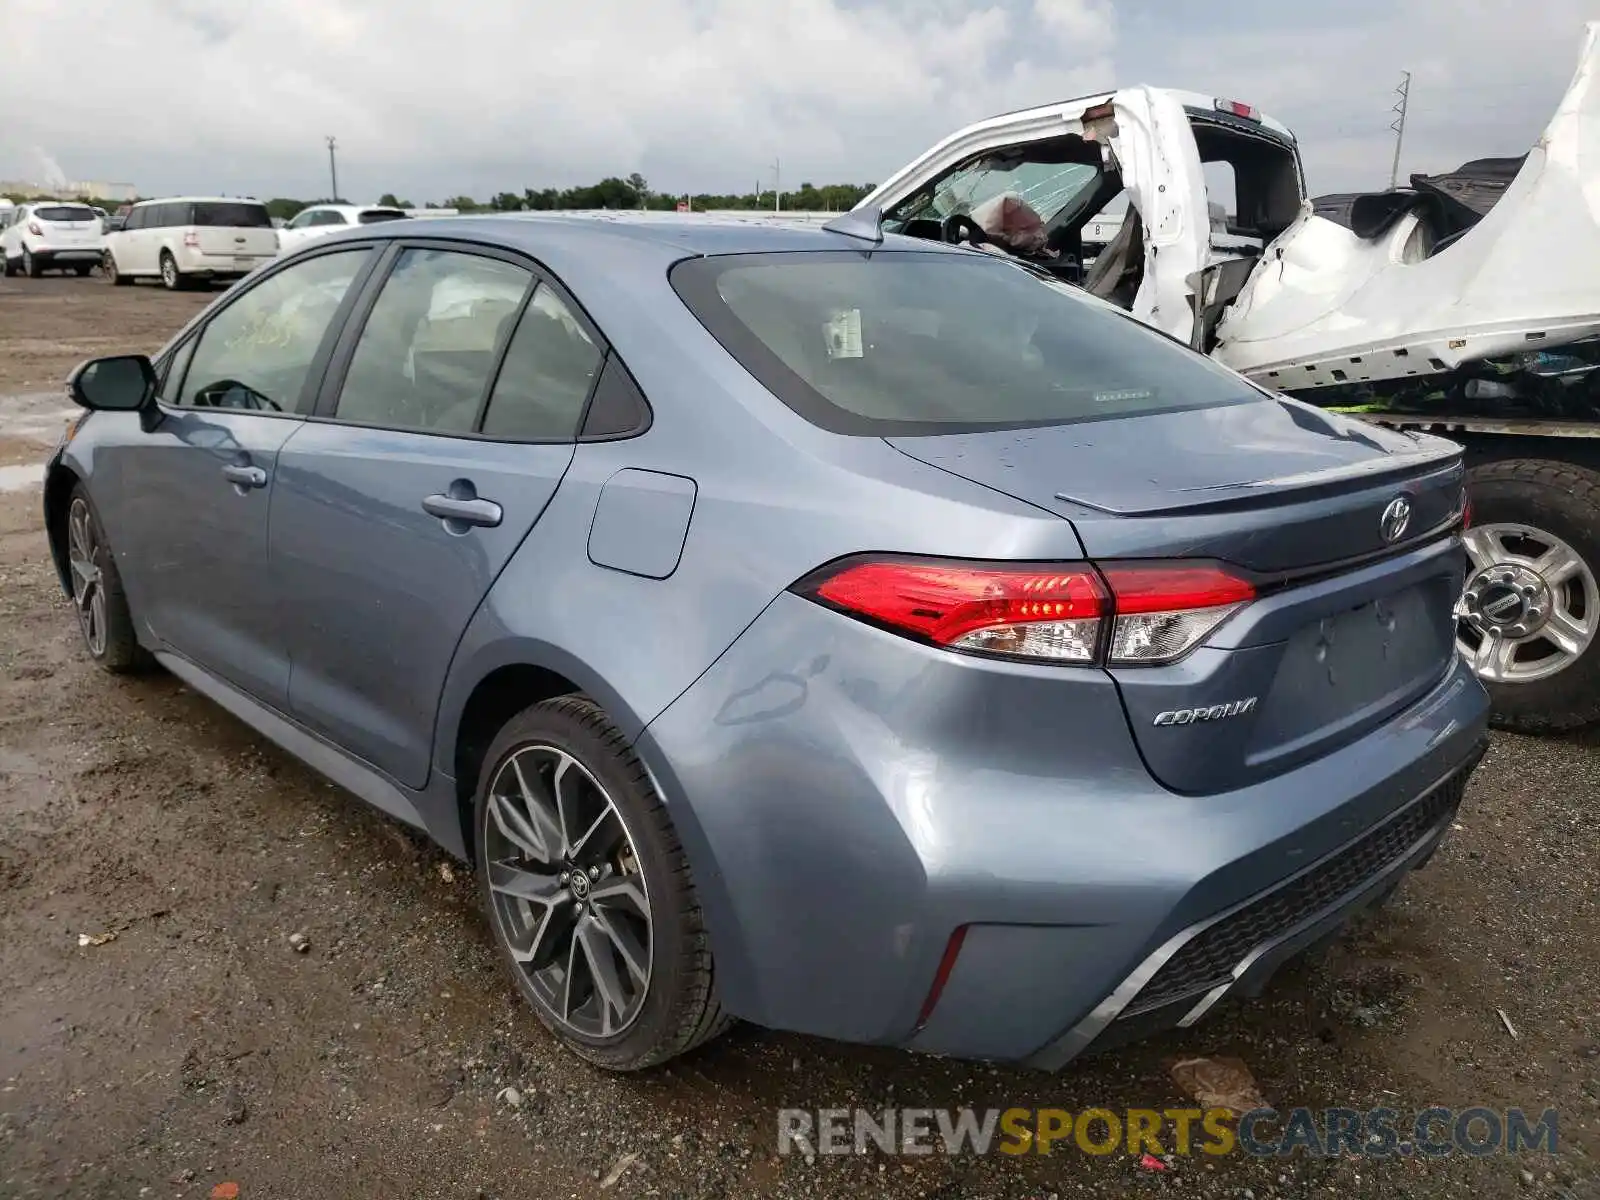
column 1350, row 624
column 241, row 229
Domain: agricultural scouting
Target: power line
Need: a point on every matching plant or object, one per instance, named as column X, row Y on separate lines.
column 1399, row 125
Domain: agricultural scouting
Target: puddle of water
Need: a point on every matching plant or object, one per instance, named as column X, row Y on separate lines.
column 15, row 479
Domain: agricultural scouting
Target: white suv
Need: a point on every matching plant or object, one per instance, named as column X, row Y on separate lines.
column 191, row 239
column 52, row 236
column 322, row 219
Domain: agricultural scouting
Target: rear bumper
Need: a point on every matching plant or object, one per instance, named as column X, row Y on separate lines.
column 1235, row 952
column 221, row 266
column 46, row 254
column 849, row 800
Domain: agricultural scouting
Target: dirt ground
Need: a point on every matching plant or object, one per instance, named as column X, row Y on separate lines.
column 197, row 1048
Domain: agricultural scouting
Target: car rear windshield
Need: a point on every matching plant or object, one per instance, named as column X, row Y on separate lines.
column 64, row 212
column 231, row 216
column 928, row 343
column 373, row 215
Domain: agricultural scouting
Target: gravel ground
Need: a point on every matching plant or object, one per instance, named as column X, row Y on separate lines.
column 198, row 1047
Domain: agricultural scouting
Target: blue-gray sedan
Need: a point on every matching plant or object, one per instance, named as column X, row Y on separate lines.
column 848, row 634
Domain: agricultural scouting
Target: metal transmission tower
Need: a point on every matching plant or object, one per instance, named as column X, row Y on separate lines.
column 1399, row 125
column 333, row 167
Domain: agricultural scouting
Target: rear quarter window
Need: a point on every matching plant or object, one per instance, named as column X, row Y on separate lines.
column 904, row 343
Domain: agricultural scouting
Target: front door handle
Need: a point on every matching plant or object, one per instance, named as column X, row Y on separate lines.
column 245, row 477
column 463, row 510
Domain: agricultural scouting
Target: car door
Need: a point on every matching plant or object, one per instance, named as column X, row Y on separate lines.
column 446, row 424
column 197, row 488
column 145, row 230
column 294, row 234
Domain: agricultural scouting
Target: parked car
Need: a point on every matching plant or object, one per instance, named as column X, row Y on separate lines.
column 1413, row 306
column 191, row 240
column 51, row 236
column 322, row 219
column 850, row 634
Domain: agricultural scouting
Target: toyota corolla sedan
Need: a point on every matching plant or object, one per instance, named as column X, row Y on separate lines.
column 848, row 634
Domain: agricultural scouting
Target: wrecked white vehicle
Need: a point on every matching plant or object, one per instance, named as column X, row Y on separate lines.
column 1466, row 304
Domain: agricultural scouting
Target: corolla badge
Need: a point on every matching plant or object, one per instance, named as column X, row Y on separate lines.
column 1214, row 712
column 1396, row 517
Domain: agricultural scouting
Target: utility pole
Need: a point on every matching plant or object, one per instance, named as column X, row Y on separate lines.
column 777, row 187
column 1399, row 125
column 333, row 167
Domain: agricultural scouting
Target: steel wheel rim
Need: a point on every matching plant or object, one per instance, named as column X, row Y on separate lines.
column 88, row 591
column 1559, row 604
column 169, row 271
column 567, row 894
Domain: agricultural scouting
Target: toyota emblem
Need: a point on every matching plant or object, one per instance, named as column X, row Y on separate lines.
column 1396, row 517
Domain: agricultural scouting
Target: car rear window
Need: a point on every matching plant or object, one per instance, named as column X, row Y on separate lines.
column 231, row 216
column 373, row 215
column 65, row 212
column 928, row 343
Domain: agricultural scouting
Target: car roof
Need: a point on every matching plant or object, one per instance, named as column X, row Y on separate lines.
column 352, row 208
column 674, row 235
column 199, row 200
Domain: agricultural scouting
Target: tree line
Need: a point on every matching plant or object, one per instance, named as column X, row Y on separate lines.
column 630, row 193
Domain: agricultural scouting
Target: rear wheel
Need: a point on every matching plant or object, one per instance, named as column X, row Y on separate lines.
column 8, row 266
column 1529, row 618
column 588, row 891
column 97, row 596
column 31, row 265
column 170, row 275
column 118, row 279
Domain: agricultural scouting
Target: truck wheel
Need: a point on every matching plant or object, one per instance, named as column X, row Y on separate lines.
column 1529, row 617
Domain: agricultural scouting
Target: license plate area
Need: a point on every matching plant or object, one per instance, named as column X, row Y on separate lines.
column 1354, row 665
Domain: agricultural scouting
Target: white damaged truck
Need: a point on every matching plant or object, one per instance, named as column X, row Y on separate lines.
column 1466, row 305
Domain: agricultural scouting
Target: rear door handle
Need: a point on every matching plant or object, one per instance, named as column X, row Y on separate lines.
column 463, row 510
column 245, row 477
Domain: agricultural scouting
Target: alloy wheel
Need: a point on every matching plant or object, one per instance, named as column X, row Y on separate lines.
column 567, row 894
column 1531, row 607
column 88, row 591
column 169, row 271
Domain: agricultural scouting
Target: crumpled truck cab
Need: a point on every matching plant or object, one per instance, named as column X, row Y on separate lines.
column 1195, row 187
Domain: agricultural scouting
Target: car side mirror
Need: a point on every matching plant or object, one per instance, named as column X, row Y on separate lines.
column 121, row 383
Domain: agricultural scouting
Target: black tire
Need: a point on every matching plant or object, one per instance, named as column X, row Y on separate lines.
column 31, row 266
column 1563, row 500
column 171, row 277
column 118, row 650
column 118, row 279
column 8, row 267
column 679, row 1009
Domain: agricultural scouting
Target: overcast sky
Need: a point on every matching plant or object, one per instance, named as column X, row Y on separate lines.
column 432, row 99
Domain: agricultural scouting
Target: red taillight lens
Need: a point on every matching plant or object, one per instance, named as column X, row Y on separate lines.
column 1164, row 610
column 1014, row 610
column 1123, row 613
column 33, row 228
column 1247, row 111
column 1466, row 512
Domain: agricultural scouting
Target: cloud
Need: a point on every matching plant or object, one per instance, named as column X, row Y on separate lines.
column 489, row 95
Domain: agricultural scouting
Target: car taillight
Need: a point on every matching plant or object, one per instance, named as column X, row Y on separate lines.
column 1120, row 614
column 33, row 228
column 191, row 238
column 1247, row 111
column 1164, row 610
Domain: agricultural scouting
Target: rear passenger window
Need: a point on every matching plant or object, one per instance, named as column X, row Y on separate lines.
column 256, row 354
column 550, row 367
column 428, row 349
